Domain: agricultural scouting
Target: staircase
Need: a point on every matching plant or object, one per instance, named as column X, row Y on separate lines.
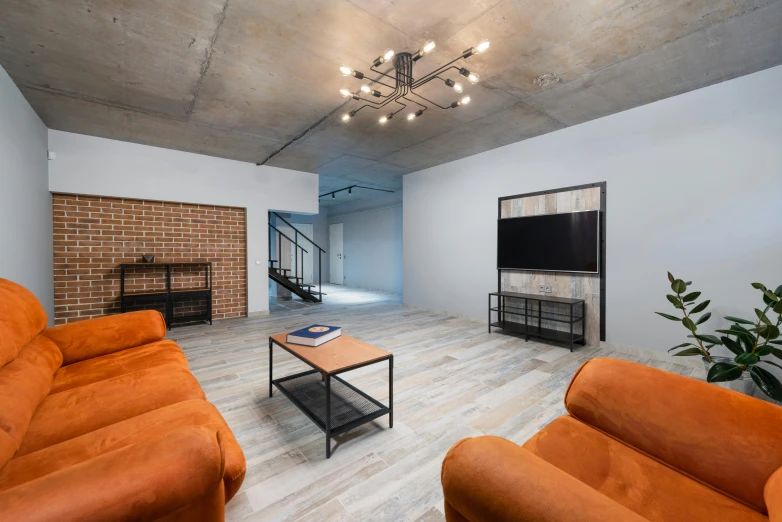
column 290, row 273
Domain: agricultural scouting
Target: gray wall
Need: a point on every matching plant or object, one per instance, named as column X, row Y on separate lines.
column 372, row 237
column 694, row 185
column 25, row 201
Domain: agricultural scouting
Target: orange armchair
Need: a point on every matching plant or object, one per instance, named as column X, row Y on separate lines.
column 638, row 444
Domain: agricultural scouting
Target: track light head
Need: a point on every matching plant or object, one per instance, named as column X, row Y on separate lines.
column 333, row 195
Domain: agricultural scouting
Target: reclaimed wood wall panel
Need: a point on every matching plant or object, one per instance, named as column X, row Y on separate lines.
column 576, row 286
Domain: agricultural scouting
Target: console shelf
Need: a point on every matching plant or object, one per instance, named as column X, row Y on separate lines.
column 530, row 311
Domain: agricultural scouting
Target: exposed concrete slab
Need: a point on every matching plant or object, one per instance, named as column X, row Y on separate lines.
column 378, row 173
column 721, row 52
column 506, row 126
column 145, row 54
column 300, row 157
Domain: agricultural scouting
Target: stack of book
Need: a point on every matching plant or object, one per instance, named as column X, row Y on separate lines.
column 314, row 335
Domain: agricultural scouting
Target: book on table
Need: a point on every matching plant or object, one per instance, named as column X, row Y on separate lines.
column 314, row 335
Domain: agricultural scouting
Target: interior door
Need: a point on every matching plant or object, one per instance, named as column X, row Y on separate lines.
column 305, row 230
column 335, row 254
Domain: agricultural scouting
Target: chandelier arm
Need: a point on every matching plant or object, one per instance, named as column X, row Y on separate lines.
column 430, row 101
column 437, row 71
column 419, row 104
column 372, row 68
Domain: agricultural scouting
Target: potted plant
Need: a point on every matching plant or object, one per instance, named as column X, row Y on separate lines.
column 749, row 341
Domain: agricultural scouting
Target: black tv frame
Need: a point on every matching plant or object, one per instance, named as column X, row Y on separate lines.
column 602, row 224
column 599, row 254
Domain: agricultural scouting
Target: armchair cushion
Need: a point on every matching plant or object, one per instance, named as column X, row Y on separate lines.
column 104, row 335
column 773, row 494
column 68, row 414
column 638, row 482
column 122, row 485
column 21, row 318
column 118, row 363
column 694, row 427
column 490, row 479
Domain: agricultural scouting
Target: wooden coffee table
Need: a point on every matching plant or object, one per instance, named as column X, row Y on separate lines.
column 333, row 404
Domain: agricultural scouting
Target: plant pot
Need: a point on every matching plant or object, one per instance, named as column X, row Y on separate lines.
column 743, row 384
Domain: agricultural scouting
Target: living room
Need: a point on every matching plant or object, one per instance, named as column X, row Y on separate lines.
column 351, row 260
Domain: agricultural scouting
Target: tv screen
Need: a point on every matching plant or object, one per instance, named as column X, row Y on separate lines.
column 555, row 242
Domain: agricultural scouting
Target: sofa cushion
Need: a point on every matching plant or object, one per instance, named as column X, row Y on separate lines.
column 68, row 414
column 116, row 364
column 645, row 486
column 24, row 383
column 697, row 428
column 21, row 318
column 146, row 428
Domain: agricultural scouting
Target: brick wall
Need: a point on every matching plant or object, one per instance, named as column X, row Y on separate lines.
column 93, row 235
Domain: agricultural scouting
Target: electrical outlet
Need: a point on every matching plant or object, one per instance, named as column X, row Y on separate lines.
column 548, row 289
column 542, row 288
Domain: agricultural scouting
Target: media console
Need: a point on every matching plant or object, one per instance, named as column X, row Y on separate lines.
column 529, row 311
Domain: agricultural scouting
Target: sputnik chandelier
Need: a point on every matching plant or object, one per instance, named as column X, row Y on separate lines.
column 403, row 84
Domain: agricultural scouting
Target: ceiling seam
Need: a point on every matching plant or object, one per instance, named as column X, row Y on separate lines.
column 207, row 60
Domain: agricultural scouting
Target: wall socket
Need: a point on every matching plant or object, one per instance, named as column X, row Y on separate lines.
column 546, row 289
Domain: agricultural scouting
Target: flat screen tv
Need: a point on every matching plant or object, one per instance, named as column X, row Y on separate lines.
column 553, row 243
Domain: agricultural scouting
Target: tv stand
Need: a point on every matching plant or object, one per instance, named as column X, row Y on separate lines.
column 530, row 310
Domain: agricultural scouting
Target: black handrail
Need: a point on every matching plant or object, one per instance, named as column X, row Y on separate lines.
column 294, row 228
column 289, row 239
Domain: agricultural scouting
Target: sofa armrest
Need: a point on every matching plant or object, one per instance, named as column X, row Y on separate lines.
column 772, row 494
column 104, row 335
column 139, row 482
column 490, row 479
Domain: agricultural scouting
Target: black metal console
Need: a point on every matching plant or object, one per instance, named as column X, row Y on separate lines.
column 528, row 312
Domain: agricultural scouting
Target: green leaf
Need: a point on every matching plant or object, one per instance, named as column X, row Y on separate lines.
column 671, row 278
column 680, row 346
column 701, row 307
column 738, row 320
column 770, row 332
column 765, row 350
column 778, row 307
column 671, row 317
column 689, row 351
column 687, row 322
column 703, row 318
column 674, row 300
column 771, row 296
column 759, row 286
column 679, row 286
column 776, row 352
column 767, row 382
column 776, row 342
column 778, row 291
column 708, row 339
column 762, row 316
column 771, row 363
column 747, row 358
column 732, row 345
column 722, row 371
column 691, row 297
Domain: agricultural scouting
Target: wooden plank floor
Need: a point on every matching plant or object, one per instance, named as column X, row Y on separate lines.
column 451, row 380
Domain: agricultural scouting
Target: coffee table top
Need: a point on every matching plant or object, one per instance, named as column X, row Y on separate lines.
column 338, row 355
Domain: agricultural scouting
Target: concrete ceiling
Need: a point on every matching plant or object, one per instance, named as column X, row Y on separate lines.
column 252, row 80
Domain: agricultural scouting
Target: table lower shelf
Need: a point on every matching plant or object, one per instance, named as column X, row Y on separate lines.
column 543, row 333
column 350, row 407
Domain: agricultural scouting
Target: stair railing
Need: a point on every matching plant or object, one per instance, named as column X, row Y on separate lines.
column 295, row 243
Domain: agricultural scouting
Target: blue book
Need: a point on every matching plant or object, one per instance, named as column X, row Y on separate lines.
column 314, row 335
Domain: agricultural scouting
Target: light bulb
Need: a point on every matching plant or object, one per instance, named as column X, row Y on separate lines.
column 474, row 77
column 411, row 116
column 345, row 70
column 458, row 87
column 429, row 46
column 345, row 117
column 383, row 119
column 482, row 46
column 366, row 89
column 346, row 93
column 388, row 54
column 464, row 101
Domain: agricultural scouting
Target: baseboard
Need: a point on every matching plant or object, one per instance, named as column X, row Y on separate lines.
column 258, row 314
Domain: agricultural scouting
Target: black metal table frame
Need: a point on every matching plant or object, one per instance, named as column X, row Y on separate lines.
column 383, row 410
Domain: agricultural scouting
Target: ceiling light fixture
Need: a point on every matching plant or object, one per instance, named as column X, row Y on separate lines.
column 404, row 84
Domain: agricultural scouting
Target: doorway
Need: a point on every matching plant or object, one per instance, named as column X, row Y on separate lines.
column 335, row 254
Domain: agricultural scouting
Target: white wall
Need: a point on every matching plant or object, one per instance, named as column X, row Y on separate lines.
column 25, row 202
column 694, row 187
column 102, row 167
column 372, row 242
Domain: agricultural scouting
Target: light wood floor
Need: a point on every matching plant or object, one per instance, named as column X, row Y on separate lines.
column 451, row 380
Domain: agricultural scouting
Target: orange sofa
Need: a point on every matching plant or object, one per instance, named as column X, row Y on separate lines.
column 102, row 420
column 638, row 444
